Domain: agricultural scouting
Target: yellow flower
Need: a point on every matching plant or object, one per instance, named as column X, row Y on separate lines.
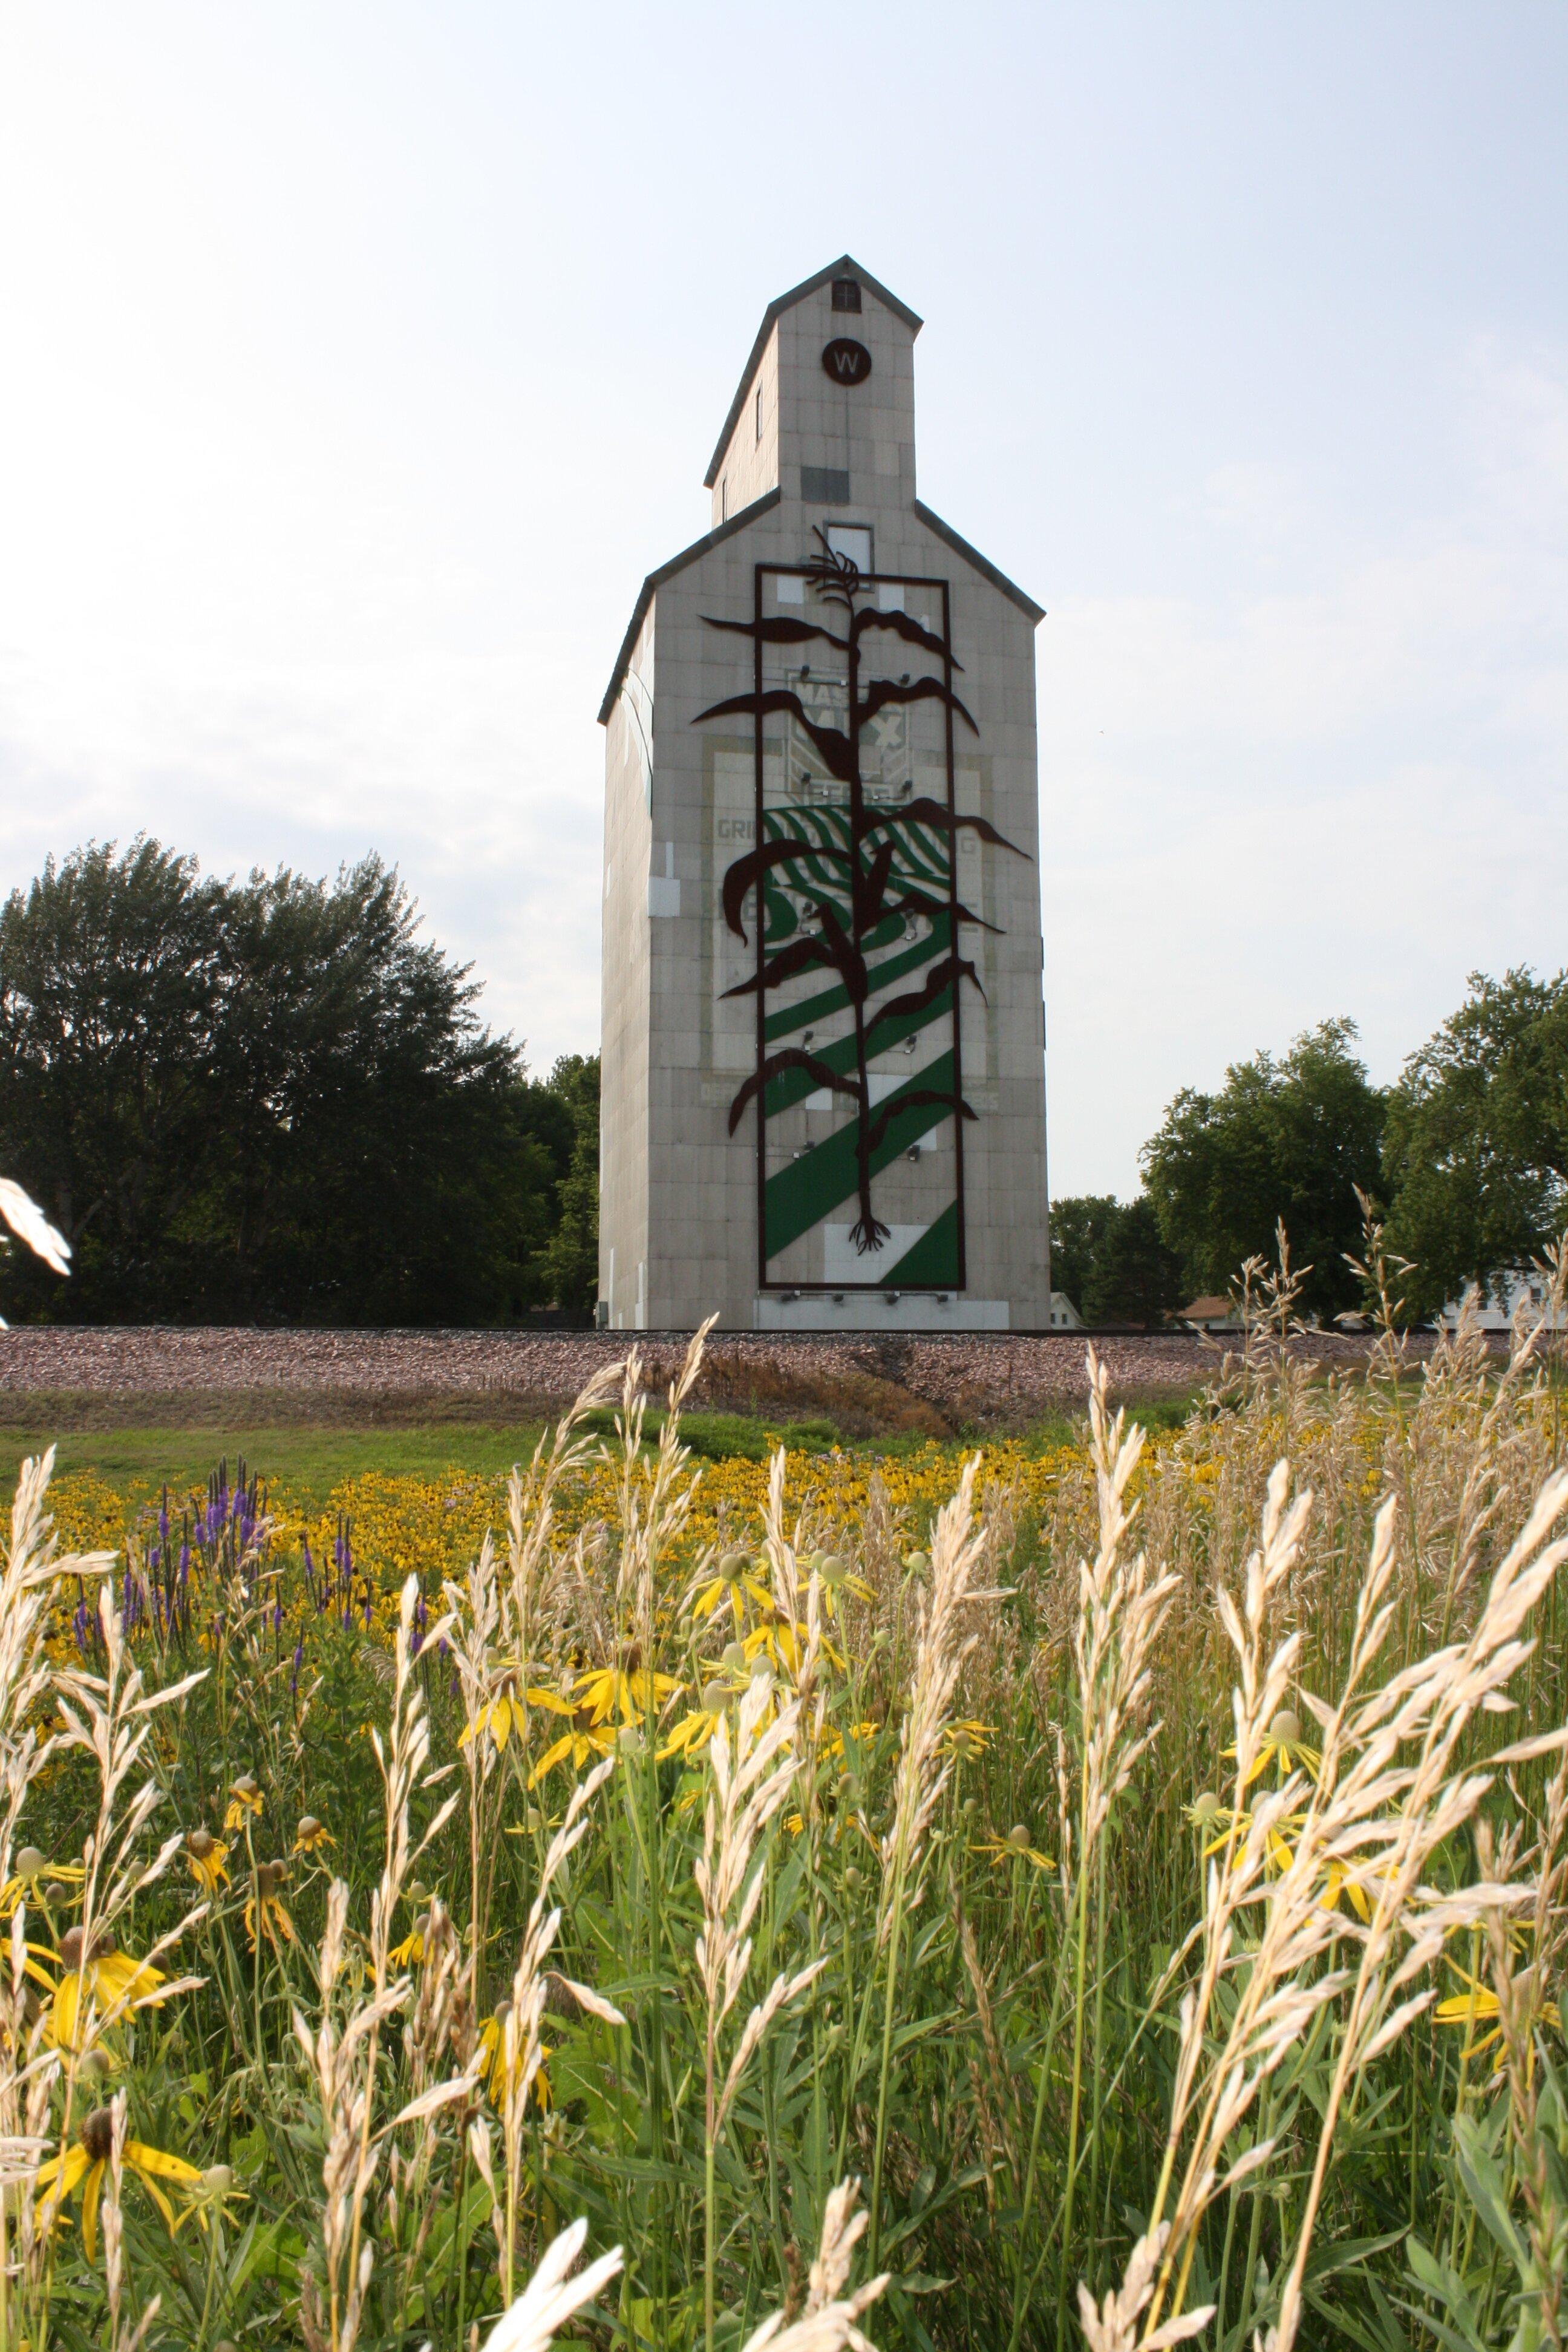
column 1016, row 1846
column 31, row 1869
column 109, row 1977
column 411, row 1952
column 207, row 1858
column 212, row 2195
column 1479, row 2006
column 264, row 1912
column 966, row 1737
column 1283, row 1745
column 833, row 1746
column 605, row 1690
column 834, row 1579
column 493, row 2061
column 509, row 1712
column 783, row 1643
column 732, row 1579
column 692, row 1733
column 584, row 1740
column 1281, row 1854
column 83, row 2165
column 311, row 1836
column 245, row 1798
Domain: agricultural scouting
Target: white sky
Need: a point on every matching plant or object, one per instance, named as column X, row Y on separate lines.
column 357, row 361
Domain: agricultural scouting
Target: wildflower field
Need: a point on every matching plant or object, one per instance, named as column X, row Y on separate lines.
column 1113, row 1894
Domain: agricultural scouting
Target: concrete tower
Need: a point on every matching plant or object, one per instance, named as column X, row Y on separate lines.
column 824, row 1078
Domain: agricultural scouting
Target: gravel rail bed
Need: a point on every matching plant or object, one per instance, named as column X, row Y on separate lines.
column 953, row 1376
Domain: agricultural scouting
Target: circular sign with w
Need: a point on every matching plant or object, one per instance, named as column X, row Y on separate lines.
column 845, row 361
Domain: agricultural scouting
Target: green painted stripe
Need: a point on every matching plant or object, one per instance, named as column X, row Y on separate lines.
column 931, row 1263
column 792, row 1086
column 814, row 1008
column 806, row 1190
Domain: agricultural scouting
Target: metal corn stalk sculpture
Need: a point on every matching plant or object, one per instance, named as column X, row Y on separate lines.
column 863, row 861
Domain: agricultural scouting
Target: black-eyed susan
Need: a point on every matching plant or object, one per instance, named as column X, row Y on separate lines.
column 736, row 1579
column 264, row 1912
column 1018, row 1846
column 83, row 2165
column 207, row 1858
column 585, row 1738
column 312, row 1835
column 245, row 1802
column 104, row 1978
column 1284, row 1746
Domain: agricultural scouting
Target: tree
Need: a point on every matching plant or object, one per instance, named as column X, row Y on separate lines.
column 1111, row 1259
column 1282, row 1140
column 377, row 1172
column 1476, row 1154
column 567, row 1267
column 109, row 985
column 267, row 1101
column 1080, row 1225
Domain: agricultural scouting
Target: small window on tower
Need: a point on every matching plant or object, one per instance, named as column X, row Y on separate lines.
column 759, row 412
column 724, row 500
column 851, row 539
column 846, row 294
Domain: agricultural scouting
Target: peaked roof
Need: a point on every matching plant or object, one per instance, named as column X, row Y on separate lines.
column 655, row 580
column 845, row 267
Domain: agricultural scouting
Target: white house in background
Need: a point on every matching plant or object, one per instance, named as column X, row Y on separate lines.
column 1522, row 1288
column 1210, row 1314
column 1065, row 1316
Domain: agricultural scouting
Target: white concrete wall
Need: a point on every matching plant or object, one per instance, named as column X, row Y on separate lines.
column 624, row 1128
column 749, row 465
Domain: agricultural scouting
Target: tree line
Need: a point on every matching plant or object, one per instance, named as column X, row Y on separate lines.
column 268, row 1100
column 1466, row 1156
column 271, row 1100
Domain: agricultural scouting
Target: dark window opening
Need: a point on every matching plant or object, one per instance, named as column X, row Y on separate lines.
column 825, row 486
column 759, row 412
column 846, row 294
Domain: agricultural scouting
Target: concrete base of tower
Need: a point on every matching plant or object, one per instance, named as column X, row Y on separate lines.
column 877, row 1310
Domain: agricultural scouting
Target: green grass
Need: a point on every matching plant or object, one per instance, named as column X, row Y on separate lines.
column 308, row 1461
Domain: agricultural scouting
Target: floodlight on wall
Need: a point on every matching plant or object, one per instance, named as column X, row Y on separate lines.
column 839, row 1298
column 890, row 1297
column 913, row 1152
